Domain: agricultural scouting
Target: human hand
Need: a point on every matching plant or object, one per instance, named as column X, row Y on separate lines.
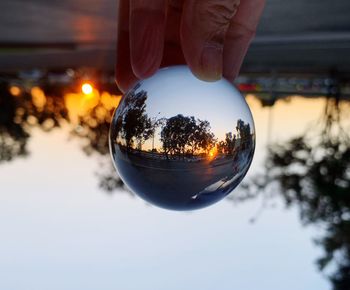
column 210, row 36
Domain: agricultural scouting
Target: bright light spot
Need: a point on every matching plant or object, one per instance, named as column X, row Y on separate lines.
column 38, row 97
column 87, row 89
column 213, row 152
column 15, row 91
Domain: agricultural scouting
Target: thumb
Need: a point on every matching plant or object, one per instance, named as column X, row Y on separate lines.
column 203, row 29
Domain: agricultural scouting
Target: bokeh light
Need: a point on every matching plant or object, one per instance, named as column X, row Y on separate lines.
column 15, row 91
column 87, row 88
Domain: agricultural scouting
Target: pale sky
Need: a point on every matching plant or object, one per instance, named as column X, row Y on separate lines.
column 59, row 231
column 176, row 91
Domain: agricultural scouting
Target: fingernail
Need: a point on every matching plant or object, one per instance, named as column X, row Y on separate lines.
column 211, row 63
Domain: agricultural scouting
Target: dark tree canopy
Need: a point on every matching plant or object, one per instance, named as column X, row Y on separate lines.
column 45, row 108
column 134, row 125
column 315, row 177
column 244, row 133
column 230, row 143
column 182, row 134
column 18, row 114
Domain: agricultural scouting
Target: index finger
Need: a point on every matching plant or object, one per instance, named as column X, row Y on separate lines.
column 124, row 74
column 147, row 29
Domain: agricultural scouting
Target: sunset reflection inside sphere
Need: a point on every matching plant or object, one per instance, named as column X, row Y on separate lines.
column 181, row 143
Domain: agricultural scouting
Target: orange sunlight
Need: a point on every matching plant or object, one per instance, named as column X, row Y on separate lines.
column 213, row 152
column 81, row 105
column 15, row 91
column 38, row 97
column 87, row 89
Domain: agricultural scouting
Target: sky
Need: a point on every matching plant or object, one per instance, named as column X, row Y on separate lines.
column 175, row 90
column 59, row 231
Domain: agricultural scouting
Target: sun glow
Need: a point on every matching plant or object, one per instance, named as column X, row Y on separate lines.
column 213, row 152
column 87, row 89
column 81, row 105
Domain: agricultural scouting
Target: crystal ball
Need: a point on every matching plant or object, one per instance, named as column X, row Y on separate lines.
column 181, row 143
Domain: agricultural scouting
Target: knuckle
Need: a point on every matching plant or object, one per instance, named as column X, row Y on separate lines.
column 217, row 36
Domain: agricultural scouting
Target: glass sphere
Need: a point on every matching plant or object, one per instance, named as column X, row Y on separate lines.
column 181, row 143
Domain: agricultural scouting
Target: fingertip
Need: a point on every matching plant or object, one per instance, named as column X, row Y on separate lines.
column 236, row 46
column 147, row 29
column 122, row 85
column 203, row 76
column 203, row 28
column 208, row 65
column 240, row 34
column 145, row 69
column 146, row 49
column 232, row 75
column 124, row 80
column 124, row 76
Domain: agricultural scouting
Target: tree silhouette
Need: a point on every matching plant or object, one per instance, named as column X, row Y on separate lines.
column 13, row 137
column 245, row 139
column 133, row 124
column 244, row 134
column 181, row 135
column 18, row 114
column 230, row 142
column 175, row 134
column 21, row 113
column 205, row 139
column 315, row 177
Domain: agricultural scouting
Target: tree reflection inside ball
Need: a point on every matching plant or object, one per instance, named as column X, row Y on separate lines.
column 181, row 143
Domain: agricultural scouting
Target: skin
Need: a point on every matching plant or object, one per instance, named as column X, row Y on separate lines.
column 210, row 36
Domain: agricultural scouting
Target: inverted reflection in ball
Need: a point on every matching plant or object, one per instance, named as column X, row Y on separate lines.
column 181, row 143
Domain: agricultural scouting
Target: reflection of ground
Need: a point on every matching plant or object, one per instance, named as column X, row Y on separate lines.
column 240, row 168
column 179, row 183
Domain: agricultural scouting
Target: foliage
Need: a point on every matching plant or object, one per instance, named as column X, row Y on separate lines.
column 181, row 133
column 133, row 123
column 19, row 114
column 315, row 177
